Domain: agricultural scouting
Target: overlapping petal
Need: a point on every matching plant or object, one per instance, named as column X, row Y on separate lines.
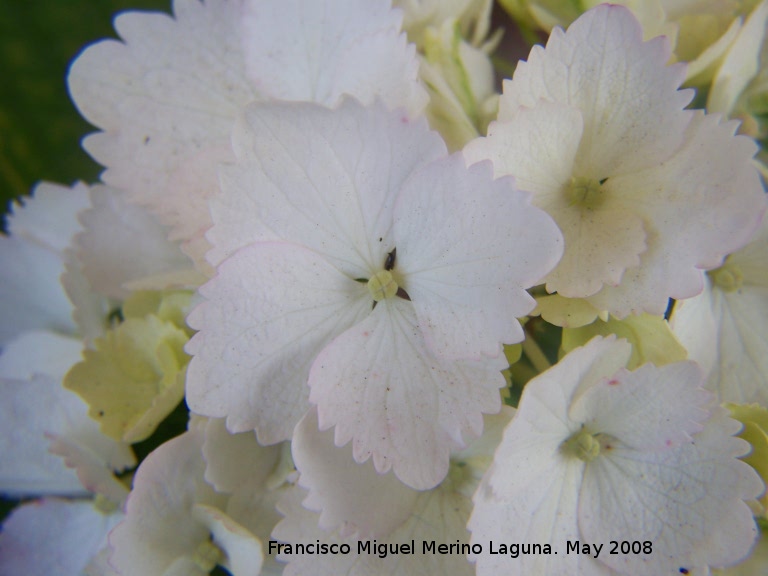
column 382, row 388
column 272, row 308
column 467, row 248
column 632, row 110
column 325, row 179
column 33, row 259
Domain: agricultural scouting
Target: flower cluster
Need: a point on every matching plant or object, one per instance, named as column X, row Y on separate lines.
column 306, row 322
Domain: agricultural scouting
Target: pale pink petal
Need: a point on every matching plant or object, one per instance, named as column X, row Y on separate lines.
column 323, row 178
column 122, row 242
column 336, row 47
column 468, row 247
column 270, row 310
column 381, row 387
column 712, row 202
column 340, row 488
column 165, row 96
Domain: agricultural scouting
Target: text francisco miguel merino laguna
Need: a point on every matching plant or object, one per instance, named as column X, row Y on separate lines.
column 384, row 549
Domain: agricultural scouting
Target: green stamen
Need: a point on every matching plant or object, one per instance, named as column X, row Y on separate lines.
column 208, row 556
column 382, row 285
column 582, row 445
column 728, row 277
column 586, row 192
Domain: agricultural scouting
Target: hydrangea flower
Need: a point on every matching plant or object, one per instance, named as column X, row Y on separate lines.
column 355, row 256
column 725, row 329
column 598, row 453
column 175, row 522
column 167, row 95
column 647, row 194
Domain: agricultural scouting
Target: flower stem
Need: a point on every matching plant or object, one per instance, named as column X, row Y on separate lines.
column 534, row 353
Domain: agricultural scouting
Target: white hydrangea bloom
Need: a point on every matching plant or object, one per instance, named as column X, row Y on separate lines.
column 725, row 329
column 598, row 453
column 167, row 95
column 355, row 258
column 358, row 504
column 647, row 194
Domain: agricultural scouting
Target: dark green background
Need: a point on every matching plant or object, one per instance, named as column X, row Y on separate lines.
column 40, row 129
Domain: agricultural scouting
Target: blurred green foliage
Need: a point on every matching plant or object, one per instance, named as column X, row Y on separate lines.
column 40, row 129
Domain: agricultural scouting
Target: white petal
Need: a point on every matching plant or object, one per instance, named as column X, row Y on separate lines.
column 270, row 310
column 633, row 112
column 122, row 242
column 381, row 387
column 742, row 356
column 341, row 489
column 242, row 549
column 703, row 203
column 336, row 47
column 741, row 64
column 635, row 407
column 49, row 217
column 93, row 473
column 326, row 179
column 159, row 525
column 166, row 99
column 33, row 409
column 233, row 460
column 39, row 352
column 252, row 474
column 543, row 511
column 694, row 324
column 53, row 537
column 688, row 501
column 33, row 260
column 538, row 147
column 467, row 248
column 439, row 515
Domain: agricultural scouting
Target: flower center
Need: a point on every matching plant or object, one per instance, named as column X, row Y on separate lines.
column 586, row 192
column 382, row 285
column 582, row 445
column 728, row 277
column 208, row 556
